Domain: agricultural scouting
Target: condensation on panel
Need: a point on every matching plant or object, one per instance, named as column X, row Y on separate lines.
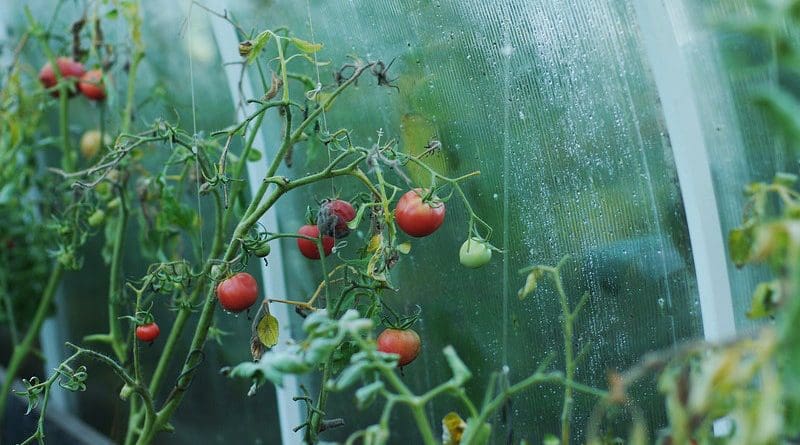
column 727, row 68
column 553, row 102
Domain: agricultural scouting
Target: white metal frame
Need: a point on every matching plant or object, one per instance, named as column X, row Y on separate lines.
column 694, row 173
column 694, row 170
column 272, row 276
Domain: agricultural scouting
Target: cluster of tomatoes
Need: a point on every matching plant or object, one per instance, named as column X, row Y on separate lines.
column 90, row 83
column 418, row 213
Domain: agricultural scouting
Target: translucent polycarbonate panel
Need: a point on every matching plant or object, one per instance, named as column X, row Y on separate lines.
column 216, row 409
column 726, row 69
column 552, row 101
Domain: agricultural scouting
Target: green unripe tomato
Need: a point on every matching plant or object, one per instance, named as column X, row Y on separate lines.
column 474, row 253
column 262, row 250
column 97, row 218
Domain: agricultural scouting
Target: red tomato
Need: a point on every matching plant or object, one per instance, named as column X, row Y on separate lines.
column 403, row 342
column 238, row 292
column 333, row 217
column 91, row 85
column 309, row 248
column 418, row 218
column 66, row 66
column 147, row 332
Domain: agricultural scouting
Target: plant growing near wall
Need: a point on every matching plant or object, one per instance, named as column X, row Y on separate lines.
column 119, row 186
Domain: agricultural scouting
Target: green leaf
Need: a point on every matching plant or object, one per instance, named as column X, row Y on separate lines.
column 359, row 214
column 367, row 394
column 254, row 155
column 783, row 107
column 460, row 371
column 267, row 330
column 258, row 45
column 740, row 241
column 765, row 298
column 305, row 46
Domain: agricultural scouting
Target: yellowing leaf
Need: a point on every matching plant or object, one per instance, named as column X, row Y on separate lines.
column 530, row 283
column 268, row 330
column 305, row 46
column 453, row 427
column 258, row 45
column 375, row 243
column 404, row 248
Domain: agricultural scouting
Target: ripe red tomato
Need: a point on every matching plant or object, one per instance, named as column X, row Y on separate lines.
column 403, row 342
column 91, row 85
column 238, row 292
column 147, row 332
column 418, row 218
column 66, row 66
column 333, row 217
column 309, row 248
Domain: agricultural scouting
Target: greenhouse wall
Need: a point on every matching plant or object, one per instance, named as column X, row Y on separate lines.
column 618, row 133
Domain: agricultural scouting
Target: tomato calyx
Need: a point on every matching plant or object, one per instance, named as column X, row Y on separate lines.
column 400, row 322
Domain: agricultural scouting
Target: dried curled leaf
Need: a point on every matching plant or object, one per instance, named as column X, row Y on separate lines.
column 453, row 427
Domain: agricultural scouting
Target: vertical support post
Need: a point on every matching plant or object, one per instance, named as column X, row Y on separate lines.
column 694, row 172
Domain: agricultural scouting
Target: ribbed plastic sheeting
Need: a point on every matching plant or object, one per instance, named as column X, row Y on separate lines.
column 554, row 103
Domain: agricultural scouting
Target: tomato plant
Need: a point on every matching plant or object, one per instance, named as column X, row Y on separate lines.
column 419, row 213
column 309, row 248
column 147, row 333
column 238, row 292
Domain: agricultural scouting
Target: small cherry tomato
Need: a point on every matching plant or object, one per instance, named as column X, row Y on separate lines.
column 403, row 342
column 66, row 66
column 238, row 292
column 91, row 143
column 474, row 253
column 418, row 218
column 333, row 217
column 309, row 248
column 147, row 332
column 91, row 85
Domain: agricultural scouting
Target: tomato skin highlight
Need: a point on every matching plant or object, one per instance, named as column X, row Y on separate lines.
column 147, row 332
column 474, row 253
column 309, row 248
column 66, row 66
column 403, row 342
column 91, row 85
column 238, row 292
column 333, row 217
column 418, row 218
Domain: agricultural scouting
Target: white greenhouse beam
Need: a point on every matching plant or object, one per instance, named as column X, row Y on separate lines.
column 694, row 170
column 272, row 276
